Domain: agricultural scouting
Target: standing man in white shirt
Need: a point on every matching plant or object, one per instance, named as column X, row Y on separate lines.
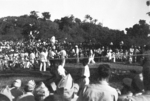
column 91, row 57
column 43, row 59
column 63, row 54
column 77, row 53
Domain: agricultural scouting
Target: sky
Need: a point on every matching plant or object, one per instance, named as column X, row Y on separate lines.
column 114, row 14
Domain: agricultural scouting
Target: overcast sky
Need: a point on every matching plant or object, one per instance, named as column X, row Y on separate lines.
column 115, row 14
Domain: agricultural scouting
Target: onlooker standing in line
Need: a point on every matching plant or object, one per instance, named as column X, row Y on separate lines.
column 43, row 59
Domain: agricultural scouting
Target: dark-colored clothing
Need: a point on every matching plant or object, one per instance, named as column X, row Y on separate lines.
column 16, row 93
column 57, row 97
column 146, row 70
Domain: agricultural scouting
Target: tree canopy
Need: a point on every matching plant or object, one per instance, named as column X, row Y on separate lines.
column 72, row 29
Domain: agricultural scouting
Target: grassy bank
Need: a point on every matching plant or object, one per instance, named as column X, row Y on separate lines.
column 119, row 72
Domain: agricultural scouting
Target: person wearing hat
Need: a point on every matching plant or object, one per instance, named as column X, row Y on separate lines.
column 101, row 91
column 28, row 92
column 41, row 92
column 15, row 89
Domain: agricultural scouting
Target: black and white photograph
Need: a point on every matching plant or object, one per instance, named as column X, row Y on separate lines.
column 74, row 50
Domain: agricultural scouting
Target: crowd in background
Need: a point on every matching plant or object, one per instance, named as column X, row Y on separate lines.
column 39, row 53
column 43, row 54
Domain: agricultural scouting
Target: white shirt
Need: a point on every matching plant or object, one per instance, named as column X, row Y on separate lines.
column 43, row 56
column 32, row 56
column 86, row 71
column 62, row 53
column 52, row 54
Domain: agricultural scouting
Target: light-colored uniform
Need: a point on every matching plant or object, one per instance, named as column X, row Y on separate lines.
column 32, row 57
column 98, row 92
column 62, row 54
column 43, row 56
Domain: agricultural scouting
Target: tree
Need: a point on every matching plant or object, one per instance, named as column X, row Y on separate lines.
column 88, row 17
column 46, row 15
column 77, row 20
column 137, row 35
column 69, row 27
column 66, row 23
column 34, row 15
column 148, row 4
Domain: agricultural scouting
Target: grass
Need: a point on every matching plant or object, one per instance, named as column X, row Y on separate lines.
column 119, row 72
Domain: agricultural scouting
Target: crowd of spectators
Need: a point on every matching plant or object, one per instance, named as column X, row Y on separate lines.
column 63, row 87
column 32, row 54
column 42, row 54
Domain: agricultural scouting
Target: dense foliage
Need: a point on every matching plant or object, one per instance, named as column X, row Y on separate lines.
column 71, row 29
